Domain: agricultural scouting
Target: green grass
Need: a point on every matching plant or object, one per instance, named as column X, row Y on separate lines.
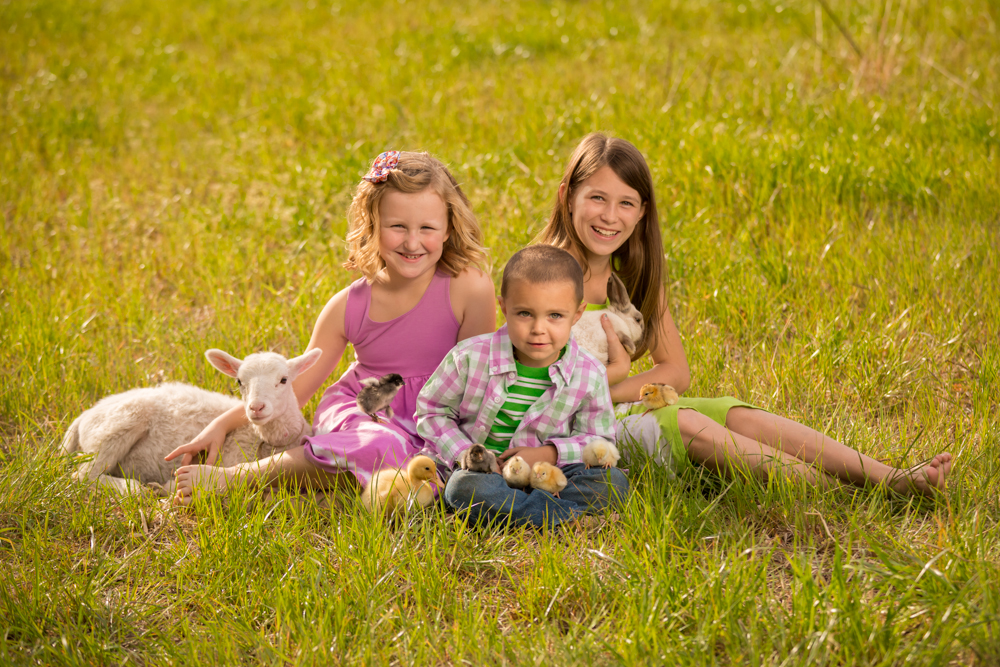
column 175, row 176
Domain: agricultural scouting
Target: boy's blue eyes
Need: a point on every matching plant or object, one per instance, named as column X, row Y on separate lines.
column 525, row 313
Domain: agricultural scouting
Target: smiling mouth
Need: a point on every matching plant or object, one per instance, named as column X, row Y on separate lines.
column 409, row 257
column 606, row 233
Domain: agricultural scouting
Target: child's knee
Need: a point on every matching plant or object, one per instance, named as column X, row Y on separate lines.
column 466, row 487
column 459, row 490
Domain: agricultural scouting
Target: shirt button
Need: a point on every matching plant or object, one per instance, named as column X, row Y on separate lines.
column 510, row 376
column 496, row 399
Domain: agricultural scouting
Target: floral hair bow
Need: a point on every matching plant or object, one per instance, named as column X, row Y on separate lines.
column 383, row 164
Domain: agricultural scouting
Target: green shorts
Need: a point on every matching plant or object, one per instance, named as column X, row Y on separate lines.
column 715, row 409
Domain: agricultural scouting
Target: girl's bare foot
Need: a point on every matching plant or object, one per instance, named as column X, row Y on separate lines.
column 210, row 479
column 925, row 479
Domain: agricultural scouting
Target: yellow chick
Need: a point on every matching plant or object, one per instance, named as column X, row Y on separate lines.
column 548, row 477
column 517, row 473
column 600, row 452
column 423, row 478
column 387, row 491
column 655, row 396
column 393, row 489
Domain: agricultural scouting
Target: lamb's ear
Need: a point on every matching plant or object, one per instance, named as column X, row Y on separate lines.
column 304, row 362
column 226, row 363
column 617, row 294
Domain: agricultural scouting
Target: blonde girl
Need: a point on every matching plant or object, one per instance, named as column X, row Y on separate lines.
column 417, row 244
column 605, row 215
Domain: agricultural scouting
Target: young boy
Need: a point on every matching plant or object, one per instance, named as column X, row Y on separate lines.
column 527, row 389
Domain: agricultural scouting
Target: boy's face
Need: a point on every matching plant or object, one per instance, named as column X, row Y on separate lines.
column 539, row 319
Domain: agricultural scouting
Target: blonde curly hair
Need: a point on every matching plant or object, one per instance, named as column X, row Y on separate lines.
column 414, row 172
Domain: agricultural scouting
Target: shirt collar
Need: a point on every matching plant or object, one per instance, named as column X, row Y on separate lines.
column 501, row 353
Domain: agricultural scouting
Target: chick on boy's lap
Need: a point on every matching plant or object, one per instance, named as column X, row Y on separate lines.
column 487, row 497
column 525, row 390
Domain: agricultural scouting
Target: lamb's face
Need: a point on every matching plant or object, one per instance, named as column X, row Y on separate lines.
column 265, row 382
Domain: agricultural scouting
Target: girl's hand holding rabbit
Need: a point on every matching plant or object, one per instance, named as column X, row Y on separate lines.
column 619, row 362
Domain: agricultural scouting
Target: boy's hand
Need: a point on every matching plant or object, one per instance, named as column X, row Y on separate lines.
column 531, row 455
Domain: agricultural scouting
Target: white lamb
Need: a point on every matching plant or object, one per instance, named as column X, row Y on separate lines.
column 130, row 433
column 625, row 318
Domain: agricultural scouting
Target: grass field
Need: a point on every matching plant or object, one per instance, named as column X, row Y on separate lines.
column 175, row 176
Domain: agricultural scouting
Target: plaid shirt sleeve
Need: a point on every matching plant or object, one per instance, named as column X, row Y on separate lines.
column 594, row 418
column 439, row 408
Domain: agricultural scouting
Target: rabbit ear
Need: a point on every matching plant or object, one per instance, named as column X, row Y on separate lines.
column 628, row 344
column 617, row 293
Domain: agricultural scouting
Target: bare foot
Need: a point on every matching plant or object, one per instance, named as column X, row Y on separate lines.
column 926, row 479
column 209, row 479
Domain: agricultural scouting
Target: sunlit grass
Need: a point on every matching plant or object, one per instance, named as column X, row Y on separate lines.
column 175, row 176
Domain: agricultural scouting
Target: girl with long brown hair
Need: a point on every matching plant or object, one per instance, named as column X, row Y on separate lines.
column 605, row 215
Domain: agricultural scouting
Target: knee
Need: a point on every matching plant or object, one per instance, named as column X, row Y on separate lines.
column 463, row 488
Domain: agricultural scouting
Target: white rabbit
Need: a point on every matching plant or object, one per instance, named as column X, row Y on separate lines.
column 625, row 318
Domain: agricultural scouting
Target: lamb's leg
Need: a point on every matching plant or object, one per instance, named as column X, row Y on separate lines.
column 123, row 485
column 111, row 439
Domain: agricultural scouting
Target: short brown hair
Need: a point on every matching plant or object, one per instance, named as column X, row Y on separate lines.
column 414, row 172
column 639, row 261
column 540, row 264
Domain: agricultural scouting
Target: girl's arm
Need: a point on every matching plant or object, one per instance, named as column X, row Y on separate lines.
column 670, row 364
column 212, row 436
column 474, row 302
column 328, row 334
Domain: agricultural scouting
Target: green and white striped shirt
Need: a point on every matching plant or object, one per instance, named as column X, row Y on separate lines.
column 531, row 383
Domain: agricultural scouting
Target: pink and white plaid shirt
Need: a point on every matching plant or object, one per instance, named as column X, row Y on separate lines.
column 458, row 404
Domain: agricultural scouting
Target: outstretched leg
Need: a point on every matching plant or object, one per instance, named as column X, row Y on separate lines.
column 834, row 458
column 720, row 449
column 290, row 466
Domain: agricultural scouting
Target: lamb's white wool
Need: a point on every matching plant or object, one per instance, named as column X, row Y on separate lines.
column 625, row 318
column 128, row 434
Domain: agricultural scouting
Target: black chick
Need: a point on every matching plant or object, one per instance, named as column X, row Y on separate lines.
column 377, row 395
column 478, row 459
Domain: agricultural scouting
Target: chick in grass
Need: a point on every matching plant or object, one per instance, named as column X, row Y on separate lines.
column 377, row 394
column 517, row 473
column 548, row 477
column 478, row 459
column 655, row 396
column 386, row 491
column 600, row 453
column 393, row 489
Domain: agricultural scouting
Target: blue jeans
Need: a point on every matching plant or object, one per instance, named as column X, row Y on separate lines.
column 487, row 497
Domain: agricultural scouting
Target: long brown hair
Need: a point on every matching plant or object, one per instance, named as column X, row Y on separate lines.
column 414, row 173
column 639, row 261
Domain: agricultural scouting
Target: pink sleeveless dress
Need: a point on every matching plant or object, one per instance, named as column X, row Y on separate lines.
column 412, row 345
